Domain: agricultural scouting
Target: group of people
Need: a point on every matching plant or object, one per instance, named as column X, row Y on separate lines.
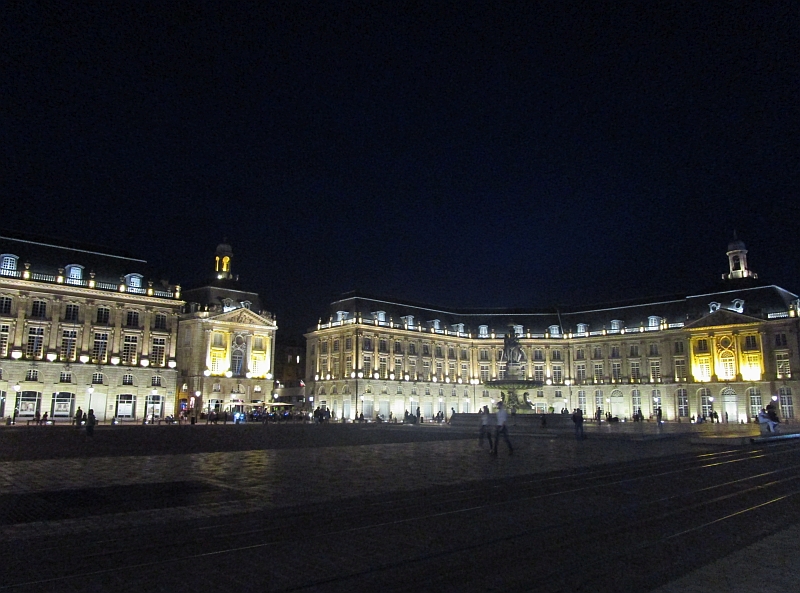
column 85, row 419
column 768, row 417
column 321, row 415
column 500, row 428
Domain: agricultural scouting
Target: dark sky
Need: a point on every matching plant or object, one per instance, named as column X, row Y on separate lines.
column 511, row 155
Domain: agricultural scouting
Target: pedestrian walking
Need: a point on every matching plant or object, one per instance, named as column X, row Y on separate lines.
column 486, row 430
column 90, row 422
column 78, row 417
column 501, row 429
column 577, row 418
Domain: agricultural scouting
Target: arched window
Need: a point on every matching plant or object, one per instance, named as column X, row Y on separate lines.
column 226, row 264
column 237, row 359
column 8, row 263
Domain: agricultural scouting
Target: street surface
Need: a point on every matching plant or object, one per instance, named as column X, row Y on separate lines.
column 397, row 508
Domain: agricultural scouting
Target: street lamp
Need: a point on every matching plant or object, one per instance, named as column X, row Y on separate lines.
column 711, row 407
column 90, row 391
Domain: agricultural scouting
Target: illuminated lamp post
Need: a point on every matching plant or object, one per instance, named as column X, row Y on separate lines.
column 711, row 407
column 90, row 391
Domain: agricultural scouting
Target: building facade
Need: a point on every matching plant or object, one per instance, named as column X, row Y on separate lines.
column 83, row 327
column 730, row 350
column 226, row 351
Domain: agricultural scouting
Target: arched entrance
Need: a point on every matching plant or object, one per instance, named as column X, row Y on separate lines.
column 729, row 411
column 617, row 406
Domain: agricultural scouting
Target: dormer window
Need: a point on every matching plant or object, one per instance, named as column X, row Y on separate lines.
column 554, row 330
column 435, row 324
column 8, row 263
column 246, row 304
column 616, row 324
column 582, row 328
column 379, row 315
column 133, row 280
column 653, row 321
column 408, row 320
column 227, row 305
column 713, row 307
column 518, row 331
column 737, row 305
column 74, row 273
column 483, row 331
column 458, row 327
column 341, row 315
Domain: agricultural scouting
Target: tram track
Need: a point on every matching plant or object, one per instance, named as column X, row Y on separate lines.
column 304, row 526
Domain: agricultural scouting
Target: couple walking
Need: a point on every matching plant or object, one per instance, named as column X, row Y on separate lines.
column 501, row 420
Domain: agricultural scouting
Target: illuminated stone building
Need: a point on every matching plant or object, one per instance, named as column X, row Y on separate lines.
column 83, row 326
column 729, row 350
column 226, row 346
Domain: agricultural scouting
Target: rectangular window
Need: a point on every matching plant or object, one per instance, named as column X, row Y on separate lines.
column 383, row 346
column 701, row 345
column 158, row 351
column 636, row 372
column 484, row 372
column 336, row 345
column 398, row 347
column 580, row 354
column 679, row 347
column 614, row 351
column 634, row 351
column 103, row 315
column 656, row 397
column 683, row 403
column 100, row 347
column 780, row 340
column 35, row 342
column 580, row 372
column 582, row 400
column 464, row 354
column 4, row 330
column 39, row 309
column 538, row 354
column 451, row 352
column 636, row 400
column 71, row 313
column 782, row 365
column 132, row 319
column 367, row 366
column 655, row 370
column 555, row 355
column 598, row 371
column 653, row 349
column 426, row 350
column 597, row 352
column 412, row 348
column 451, row 370
column 787, row 403
column 426, row 370
column 5, row 305
column 680, row 369
column 258, row 343
column 160, row 321
column 598, row 399
column 382, row 366
column 616, row 371
column 755, row 401
column 484, row 354
column 750, row 343
column 130, row 349
column 323, row 347
column 464, row 371
column 65, row 377
column 398, row 367
column 69, row 338
column 557, row 374
column 538, row 372
column 704, row 370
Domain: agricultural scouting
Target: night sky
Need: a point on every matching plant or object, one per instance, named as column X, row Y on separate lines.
column 491, row 155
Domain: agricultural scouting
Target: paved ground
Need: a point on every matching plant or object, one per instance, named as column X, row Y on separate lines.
column 57, row 484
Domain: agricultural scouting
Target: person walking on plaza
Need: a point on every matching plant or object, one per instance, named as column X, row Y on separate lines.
column 90, row 422
column 486, row 430
column 78, row 417
column 577, row 418
column 501, row 429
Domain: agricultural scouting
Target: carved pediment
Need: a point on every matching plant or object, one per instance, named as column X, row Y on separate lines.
column 243, row 317
column 722, row 317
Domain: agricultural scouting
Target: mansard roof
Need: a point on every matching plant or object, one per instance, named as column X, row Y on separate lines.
column 47, row 254
column 754, row 302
